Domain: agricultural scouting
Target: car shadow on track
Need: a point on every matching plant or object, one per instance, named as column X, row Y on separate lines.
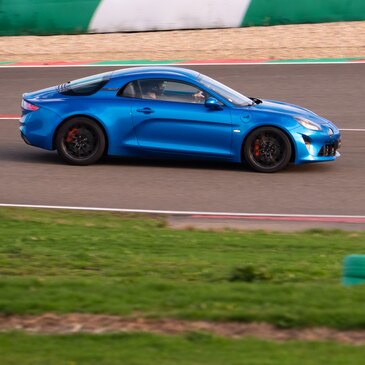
column 209, row 165
column 170, row 163
column 27, row 155
column 32, row 156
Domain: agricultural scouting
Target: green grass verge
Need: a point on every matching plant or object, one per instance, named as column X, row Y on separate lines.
column 147, row 349
column 109, row 263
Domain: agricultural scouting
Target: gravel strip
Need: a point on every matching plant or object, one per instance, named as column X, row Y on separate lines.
column 326, row 40
column 98, row 324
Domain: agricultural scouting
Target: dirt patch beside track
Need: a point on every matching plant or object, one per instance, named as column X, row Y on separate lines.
column 98, row 324
column 328, row 40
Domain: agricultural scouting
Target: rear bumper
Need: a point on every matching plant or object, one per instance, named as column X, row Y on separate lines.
column 37, row 128
column 24, row 138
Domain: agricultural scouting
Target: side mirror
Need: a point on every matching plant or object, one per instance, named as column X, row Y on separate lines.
column 213, row 104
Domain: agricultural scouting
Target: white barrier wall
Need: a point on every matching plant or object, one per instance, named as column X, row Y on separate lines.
column 140, row 15
column 41, row 17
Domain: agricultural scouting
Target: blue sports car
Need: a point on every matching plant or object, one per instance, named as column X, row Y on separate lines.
column 172, row 112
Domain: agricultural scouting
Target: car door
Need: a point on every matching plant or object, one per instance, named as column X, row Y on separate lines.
column 175, row 120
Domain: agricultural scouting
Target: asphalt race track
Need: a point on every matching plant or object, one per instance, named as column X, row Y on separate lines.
column 32, row 176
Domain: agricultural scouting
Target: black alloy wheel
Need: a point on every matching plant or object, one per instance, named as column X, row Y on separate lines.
column 80, row 141
column 267, row 149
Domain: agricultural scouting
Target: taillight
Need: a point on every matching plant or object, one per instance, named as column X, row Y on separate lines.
column 29, row 106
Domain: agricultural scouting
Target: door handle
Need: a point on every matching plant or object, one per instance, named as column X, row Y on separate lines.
column 145, row 110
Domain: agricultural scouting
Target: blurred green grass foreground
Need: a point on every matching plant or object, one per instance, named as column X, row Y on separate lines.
column 129, row 265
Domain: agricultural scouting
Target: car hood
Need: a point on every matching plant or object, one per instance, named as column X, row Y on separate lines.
column 273, row 106
column 284, row 108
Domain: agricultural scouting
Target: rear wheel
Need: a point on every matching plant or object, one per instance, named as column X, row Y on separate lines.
column 267, row 149
column 80, row 141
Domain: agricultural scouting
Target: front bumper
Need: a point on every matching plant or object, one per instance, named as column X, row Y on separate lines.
column 317, row 146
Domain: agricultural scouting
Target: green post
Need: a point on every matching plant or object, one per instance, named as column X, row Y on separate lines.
column 354, row 270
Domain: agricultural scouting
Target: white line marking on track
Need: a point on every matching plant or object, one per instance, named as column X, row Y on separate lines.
column 352, row 130
column 190, row 64
column 179, row 212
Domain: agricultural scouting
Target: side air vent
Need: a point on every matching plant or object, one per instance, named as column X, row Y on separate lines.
column 63, row 87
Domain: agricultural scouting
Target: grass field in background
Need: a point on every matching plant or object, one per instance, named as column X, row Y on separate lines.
column 191, row 349
column 65, row 261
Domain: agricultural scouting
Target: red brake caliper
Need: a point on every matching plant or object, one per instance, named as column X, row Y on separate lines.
column 71, row 134
column 256, row 148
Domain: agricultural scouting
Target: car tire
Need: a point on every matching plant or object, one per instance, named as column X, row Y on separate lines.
column 80, row 141
column 267, row 149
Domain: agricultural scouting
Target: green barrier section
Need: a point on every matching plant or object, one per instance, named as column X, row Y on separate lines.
column 40, row 17
column 43, row 17
column 274, row 12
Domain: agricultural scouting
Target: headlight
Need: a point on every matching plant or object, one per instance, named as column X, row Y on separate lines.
column 306, row 123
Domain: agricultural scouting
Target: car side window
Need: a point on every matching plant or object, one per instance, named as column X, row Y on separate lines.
column 131, row 90
column 171, row 90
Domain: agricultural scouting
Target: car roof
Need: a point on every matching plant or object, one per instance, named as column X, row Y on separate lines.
column 160, row 70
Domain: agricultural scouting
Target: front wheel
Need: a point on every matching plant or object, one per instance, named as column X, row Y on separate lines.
column 80, row 141
column 267, row 149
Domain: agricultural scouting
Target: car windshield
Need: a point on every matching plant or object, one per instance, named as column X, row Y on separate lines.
column 226, row 92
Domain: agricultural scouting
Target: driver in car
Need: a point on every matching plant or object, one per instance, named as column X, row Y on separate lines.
column 153, row 89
